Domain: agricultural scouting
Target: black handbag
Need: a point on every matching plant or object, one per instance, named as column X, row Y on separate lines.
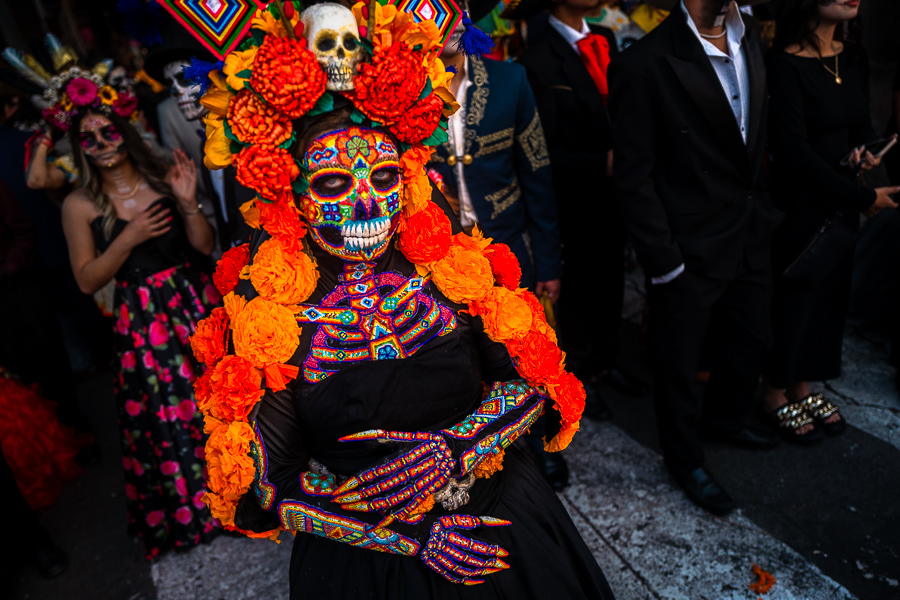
column 826, row 249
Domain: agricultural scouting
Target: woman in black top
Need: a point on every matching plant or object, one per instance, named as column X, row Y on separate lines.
column 819, row 112
column 135, row 220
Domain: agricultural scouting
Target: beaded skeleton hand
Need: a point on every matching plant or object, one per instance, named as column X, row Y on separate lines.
column 455, row 557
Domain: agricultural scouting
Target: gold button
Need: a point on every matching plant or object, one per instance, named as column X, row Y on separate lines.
column 451, row 160
column 467, row 159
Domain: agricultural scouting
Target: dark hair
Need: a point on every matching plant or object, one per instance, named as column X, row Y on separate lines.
column 143, row 160
column 796, row 22
column 309, row 128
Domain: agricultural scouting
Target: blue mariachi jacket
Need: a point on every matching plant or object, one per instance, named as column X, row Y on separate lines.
column 509, row 178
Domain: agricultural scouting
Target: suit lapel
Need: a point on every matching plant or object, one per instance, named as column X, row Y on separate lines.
column 574, row 69
column 699, row 79
column 756, row 74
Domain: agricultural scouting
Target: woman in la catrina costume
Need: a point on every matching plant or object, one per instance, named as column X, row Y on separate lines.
column 373, row 364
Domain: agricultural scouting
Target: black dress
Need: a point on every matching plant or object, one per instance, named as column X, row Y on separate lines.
column 814, row 122
column 435, row 386
column 158, row 300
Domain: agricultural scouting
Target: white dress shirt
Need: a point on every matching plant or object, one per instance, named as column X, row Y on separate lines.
column 456, row 128
column 731, row 70
column 573, row 36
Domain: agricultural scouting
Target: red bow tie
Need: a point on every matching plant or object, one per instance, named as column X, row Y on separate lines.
column 595, row 56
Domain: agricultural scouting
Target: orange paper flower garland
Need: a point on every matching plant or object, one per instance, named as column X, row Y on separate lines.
column 252, row 103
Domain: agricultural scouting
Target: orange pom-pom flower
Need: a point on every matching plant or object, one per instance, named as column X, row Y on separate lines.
column 538, row 359
column 420, row 121
column 505, row 315
column 425, row 236
column 208, row 341
column 504, row 265
column 282, row 220
column 228, row 269
column 281, row 276
column 234, row 388
column 388, row 86
column 287, row 75
column 267, row 170
column 229, row 464
column 265, row 333
column 253, row 121
column 464, row 275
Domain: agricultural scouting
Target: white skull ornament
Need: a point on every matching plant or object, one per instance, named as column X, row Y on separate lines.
column 332, row 34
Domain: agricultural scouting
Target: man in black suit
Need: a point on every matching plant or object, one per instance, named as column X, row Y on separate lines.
column 688, row 103
column 566, row 69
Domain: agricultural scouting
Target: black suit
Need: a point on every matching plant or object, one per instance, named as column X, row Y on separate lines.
column 694, row 193
column 579, row 135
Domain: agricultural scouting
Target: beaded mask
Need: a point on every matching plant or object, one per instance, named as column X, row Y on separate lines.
column 353, row 200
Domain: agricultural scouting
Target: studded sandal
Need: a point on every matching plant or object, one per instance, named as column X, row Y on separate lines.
column 820, row 409
column 788, row 419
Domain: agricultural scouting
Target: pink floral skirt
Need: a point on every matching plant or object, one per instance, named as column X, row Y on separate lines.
column 162, row 430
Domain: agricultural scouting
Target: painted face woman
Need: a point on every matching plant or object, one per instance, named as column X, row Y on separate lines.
column 135, row 220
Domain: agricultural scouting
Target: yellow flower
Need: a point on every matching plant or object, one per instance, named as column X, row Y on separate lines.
column 264, row 21
column 217, row 150
column 250, row 212
column 216, row 101
column 107, row 95
column 67, row 103
column 237, row 62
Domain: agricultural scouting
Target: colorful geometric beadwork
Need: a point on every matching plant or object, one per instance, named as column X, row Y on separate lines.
column 262, row 489
column 315, row 484
column 299, row 516
column 503, row 397
column 219, row 25
column 500, row 440
column 446, row 13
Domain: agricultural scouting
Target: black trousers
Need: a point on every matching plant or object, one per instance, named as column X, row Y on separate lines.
column 593, row 283
column 683, row 312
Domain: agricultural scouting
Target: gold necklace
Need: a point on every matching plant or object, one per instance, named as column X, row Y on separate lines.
column 130, row 194
column 836, row 72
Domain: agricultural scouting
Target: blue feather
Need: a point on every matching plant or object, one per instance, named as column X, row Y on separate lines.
column 197, row 72
column 142, row 20
column 451, row 69
column 473, row 41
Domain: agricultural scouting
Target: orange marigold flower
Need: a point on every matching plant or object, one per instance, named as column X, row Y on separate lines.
column 228, row 269
column 539, row 322
column 505, row 315
column 413, row 161
column 229, row 464
column 568, row 393
column 490, row 465
column 267, row 170
column 281, row 276
column 561, row 440
column 388, row 86
column 210, row 424
column 538, row 359
column 464, row 275
column 416, row 192
column 265, row 333
column 208, row 341
column 282, row 220
column 504, row 266
column 287, row 75
column 221, row 509
column 419, row 121
column 233, row 304
column 425, row 236
column 234, row 389
column 253, row 121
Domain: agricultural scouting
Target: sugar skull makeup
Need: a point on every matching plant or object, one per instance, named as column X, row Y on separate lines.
column 100, row 140
column 353, row 198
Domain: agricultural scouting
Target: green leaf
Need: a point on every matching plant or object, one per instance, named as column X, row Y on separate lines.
column 438, row 137
column 324, row 104
column 288, row 142
column 357, row 116
column 367, row 45
column 246, row 73
column 247, row 44
column 235, row 147
column 274, row 11
column 427, row 89
column 301, row 182
column 229, row 133
column 258, row 36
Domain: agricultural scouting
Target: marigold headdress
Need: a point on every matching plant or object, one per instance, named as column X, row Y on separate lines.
column 398, row 84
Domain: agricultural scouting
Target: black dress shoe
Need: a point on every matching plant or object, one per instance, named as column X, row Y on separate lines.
column 595, row 407
column 704, row 491
column 625, row 383
column 553, row 468
column 753, row 438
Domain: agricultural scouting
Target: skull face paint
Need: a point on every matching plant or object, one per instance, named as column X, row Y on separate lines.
column 101, row 141
column 353, row 201
column 333, row 36
column 186, row 94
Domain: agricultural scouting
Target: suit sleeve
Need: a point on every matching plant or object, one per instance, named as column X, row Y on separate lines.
column 635, row 149
column 790, row 142
column 532, row 166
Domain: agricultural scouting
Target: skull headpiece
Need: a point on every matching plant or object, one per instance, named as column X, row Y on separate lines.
column 332, row 34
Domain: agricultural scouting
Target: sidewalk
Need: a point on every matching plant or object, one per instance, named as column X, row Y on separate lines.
column 824, row 521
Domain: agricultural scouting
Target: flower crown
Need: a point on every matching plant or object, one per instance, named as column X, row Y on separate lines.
column 254, row 96
column 76, row 89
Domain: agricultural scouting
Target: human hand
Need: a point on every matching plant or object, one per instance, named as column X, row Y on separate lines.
column 552, row 288
column 882, row 200
column 447, row 551
column 148, row 224
column 418, row 474
column 869, row 161
column 183, row 179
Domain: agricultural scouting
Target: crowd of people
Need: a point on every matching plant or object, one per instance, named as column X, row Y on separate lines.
column 728, row 157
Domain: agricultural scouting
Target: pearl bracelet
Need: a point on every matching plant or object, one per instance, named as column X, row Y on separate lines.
column 196, row 212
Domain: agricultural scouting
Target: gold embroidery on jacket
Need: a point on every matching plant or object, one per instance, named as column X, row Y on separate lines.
column 495, row 142
column 504, row 198
column 478, row 103
column 533, row 143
